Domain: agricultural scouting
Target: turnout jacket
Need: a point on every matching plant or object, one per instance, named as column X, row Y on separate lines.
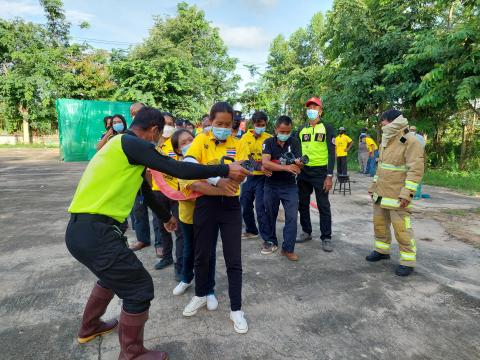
column 400, row 170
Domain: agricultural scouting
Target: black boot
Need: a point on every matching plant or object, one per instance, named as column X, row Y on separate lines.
column 376, row 256
column 403, row 270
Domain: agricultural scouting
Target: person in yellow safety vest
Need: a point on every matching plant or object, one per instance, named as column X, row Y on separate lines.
column 400, row 170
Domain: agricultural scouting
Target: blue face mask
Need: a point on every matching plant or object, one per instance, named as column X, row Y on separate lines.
column 259, row 130
column 118, row 127
column 185, row 149
column 221, row 133
column 283, row 137
column 312, row 114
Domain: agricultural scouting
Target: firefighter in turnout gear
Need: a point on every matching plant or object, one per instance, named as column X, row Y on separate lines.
column 400, row 170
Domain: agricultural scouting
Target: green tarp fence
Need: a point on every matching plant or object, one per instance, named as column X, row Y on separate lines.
column 80, row 123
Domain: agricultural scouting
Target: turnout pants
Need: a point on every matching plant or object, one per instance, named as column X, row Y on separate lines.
column 252, row 190
column 98, row 243
column 402, row 226
column 214, row 213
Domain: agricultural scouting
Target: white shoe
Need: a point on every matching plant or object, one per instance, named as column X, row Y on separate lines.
column 181, row 288
column 239, row 323
column 194, row 305
column 212, row 302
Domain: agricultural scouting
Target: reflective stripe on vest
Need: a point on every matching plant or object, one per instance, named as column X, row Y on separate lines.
column 314, row 144
column 410, row 185
column 391, row 167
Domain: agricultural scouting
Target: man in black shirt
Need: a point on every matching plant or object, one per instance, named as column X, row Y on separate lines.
column 281, row 186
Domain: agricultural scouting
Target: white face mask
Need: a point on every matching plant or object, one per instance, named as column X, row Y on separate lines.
column 168, row 131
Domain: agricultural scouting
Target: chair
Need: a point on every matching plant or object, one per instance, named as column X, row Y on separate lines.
column 342, row 180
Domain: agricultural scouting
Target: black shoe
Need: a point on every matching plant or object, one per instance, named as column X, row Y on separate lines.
column 403, row 270
column 327, row 245
column 303, row 238
column 376, row 256
column 163, row 263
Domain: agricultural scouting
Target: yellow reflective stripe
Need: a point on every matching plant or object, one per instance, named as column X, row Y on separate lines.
column 393, row 167
column 375, row 178
column 381, row 245
column 410, row 185
column 407, row 256
column 414, row 245
column 395, row 203
column 408, row 222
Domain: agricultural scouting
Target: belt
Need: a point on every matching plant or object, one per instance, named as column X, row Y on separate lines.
column 94, row 218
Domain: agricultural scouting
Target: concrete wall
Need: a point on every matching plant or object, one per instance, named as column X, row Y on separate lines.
column 18, row 139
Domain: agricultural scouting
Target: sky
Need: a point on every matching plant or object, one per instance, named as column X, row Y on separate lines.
column 246, row 26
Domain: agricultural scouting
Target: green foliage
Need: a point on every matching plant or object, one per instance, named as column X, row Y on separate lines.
column 365, row 56
column 182, row 67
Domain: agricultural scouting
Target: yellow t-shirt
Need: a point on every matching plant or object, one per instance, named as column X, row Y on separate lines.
column 167, row 149
column 341, row 143
column 207, row 150
column 186, row 207
column 371, row 145
column 254, row 146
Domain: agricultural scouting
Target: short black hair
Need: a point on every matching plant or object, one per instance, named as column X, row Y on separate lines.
column 390, row 115
column 176, row 137
column 259, row 116
column 148, row 117
column 284, row 119
column 180, row 122
column 219, row 107
column 166, row 113
column 188, row 123
column 205, row 116
column 105, row 120
column 121, row 117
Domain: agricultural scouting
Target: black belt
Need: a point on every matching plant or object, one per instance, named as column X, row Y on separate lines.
column 94, row 218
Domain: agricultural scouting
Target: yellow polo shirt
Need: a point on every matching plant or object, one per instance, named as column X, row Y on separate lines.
column 207, row 150
column 254, row 146
column 341, row 143
column 167, row 149
column 186, row 207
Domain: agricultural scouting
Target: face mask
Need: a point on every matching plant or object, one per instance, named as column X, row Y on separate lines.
column 312, row 114
column 118, row 127
column 283, row 137
column 221, row 133
column 207, row 129
column 185, row 149
column 259, row 130
column 168, row 131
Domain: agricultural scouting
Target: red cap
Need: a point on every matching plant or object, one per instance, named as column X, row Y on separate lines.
column 314, row 100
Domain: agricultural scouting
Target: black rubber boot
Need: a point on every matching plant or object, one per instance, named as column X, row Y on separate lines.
column 376, row 256
column 403, row 270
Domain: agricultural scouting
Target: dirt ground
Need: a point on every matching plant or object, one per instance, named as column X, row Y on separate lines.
column 326, row 306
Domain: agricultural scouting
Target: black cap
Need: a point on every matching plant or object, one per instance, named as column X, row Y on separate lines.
column 237, row 115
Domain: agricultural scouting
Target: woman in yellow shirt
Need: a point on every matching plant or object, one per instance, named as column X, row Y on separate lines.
column 215, row 213
column 181, row 141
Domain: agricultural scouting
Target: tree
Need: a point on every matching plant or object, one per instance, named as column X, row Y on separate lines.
column 183, row 65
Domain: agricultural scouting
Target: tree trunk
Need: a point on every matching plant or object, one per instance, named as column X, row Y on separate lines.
column 25, row 124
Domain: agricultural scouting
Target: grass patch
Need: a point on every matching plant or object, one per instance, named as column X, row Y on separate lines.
column 29, row 146
column 464, row 181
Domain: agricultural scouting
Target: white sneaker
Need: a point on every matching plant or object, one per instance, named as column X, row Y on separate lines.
column 212, row 302
column 181, row 288
column 194, row 305
column 239, row 323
